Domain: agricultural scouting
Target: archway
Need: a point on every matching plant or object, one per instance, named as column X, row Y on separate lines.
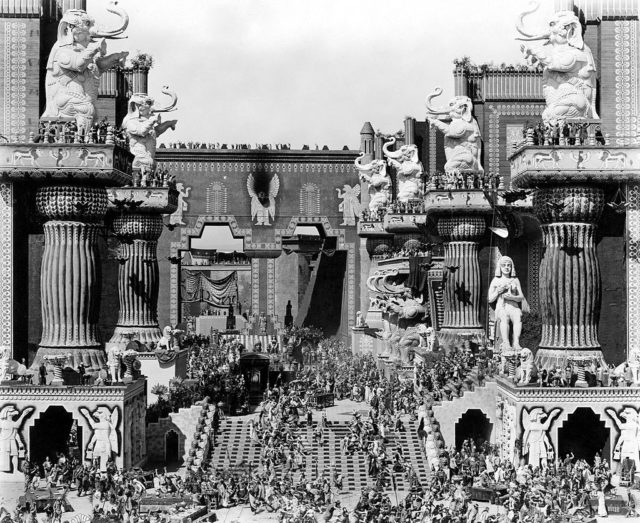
column 475, row 425
column 171, row 448
column 584, row 434
column 50, row 434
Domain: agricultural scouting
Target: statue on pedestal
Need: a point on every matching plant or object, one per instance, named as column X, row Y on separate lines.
column 75, row 64
column 535, row 441
column 375, row 174
column 462, row 142
column 569, row 75
column 408, row 168
column 114, row 354
column 505, row 293
column 12, row 447
column 628, row 445
column 143, row 125
column 104, row 440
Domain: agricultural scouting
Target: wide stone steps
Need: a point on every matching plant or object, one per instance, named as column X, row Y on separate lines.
column 234, row 448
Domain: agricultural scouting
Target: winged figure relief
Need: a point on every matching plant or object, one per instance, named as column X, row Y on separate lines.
column 263, row 198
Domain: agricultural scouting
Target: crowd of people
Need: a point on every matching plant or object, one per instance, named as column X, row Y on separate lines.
column 239, row 146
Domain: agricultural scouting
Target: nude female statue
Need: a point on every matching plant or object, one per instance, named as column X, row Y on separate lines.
column 505, row 293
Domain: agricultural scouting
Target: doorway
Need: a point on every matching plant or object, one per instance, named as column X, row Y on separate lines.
column 51, row 433
column 584, row 434
column 473, row 425
column 171, row 448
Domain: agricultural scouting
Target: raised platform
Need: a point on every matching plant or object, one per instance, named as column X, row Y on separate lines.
column 160, row 367
column 517, row 405
column 43, row 413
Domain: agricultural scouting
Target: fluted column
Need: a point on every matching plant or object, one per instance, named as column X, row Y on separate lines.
column 570, row 293
column 138, row 280
column 70, row 278
column 462, row 271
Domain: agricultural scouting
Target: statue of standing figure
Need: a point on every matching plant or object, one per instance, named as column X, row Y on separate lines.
column 350, row 204
column 535, row 440
column 505, row 293
column 75, row 64
column 104, row 440
column 12, row 447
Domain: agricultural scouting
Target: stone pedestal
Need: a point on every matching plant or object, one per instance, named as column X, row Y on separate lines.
column 569, row 185
column 138, row 281
column 569, row 286
column 136, row 220
column 70, row 277
column 462, row 292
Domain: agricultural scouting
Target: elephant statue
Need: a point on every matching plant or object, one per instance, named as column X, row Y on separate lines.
column 143, row 125
column 462, row 141
column 408, row 168
column 75, row 64
column 569, row 75
column 375, row 174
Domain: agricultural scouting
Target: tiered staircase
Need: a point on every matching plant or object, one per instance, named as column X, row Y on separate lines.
column 235, row 448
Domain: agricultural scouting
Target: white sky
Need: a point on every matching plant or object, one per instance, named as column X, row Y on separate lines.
column 309, row 71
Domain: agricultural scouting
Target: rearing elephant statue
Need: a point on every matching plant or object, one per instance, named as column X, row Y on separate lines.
column 462, row 142
column 75, row 64
column 143, row 125
column 375, row 174
column 569, row 75
column 408, row 168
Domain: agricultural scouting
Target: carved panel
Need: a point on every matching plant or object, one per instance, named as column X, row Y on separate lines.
column 309, row 200
column 217, row 198
column 6, row 264
column 626, row 81
column 633, row 272
column 14, row 64
column 535, row 255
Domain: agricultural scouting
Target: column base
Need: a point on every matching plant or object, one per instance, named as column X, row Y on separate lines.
column 546, row 358
column 145, row 335
column 93, row 358
column 451, row 336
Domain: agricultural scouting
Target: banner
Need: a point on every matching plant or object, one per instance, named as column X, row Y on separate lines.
column 197, row 287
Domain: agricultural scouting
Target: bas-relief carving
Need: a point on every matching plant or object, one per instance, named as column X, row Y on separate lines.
column 105, row 439
column 409, row 170
column 569, row 76
column 217, row 198
column 75, row 64
column 462, row 141
column 263, row 200
column 350, row 204
column 309, row 200
column 177, row 218
column 536, row 445
column 375, row 175
column 628, row 443
column 12, row 447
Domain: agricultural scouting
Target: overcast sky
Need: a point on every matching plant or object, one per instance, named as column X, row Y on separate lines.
column 309, row 71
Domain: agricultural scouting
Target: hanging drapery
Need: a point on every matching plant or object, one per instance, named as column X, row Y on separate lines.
column 197, row 287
